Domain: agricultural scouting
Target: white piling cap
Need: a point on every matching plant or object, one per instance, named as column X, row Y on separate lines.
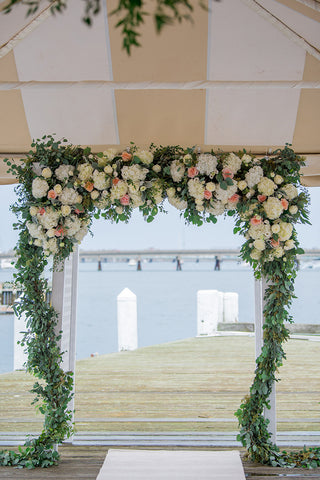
column 126, row 293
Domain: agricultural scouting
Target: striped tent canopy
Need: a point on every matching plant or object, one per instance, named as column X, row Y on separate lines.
column 245, row 73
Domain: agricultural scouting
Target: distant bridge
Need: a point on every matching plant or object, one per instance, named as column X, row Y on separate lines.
column 164, row 255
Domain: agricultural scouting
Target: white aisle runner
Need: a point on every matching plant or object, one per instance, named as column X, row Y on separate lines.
column 171, row 465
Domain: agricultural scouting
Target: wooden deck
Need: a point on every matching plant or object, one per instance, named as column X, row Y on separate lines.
column 197, row 383
column 85, row 463
column 202, row 379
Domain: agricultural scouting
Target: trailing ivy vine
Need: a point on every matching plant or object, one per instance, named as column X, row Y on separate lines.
column 61, row 187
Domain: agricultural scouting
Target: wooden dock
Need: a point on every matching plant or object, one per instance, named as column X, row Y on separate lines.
column 192, row 385
column 189, row 387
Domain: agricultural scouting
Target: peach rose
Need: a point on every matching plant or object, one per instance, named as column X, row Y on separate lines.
column 42, row 211
column 284, row 203
column 234, row 199
column 59, row 232
column 52, row 194
column 227, row 173
column 115, row 181
column 125, row 200
column 89, row 186
column 126, row 156
column 256, row 220
column 274, row 243
column 262, row 198
column 192, row 172
column 207, row 194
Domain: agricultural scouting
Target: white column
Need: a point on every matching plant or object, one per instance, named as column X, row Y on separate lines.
column 19, row 355
column 207, row 312
column 230, row 307
column 260, row 288
column 64, row 301
column 127, row 320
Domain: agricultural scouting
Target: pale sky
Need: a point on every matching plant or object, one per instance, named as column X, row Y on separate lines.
column 166, row 231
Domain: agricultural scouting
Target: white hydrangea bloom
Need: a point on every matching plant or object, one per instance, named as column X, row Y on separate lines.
column 207, row 164
column 134, row 173
column 290, row 191
column 145, row 156
column 79, row 236
column 73, row 225
column 64, row 172
column 99, row 180
column 262, row 231
column 233, row 162
column 177, row 170
column 224, row 195
column 196, row 189
column 254, row 176
column 285, row 231
column 35, row 230
column 40, row 187
column 85, row 171
column 49, row 219
column 216, row 207
column 266, row 186
column 69, row 196
column 273, row 208
column 119, row 190
column 177, row 202
column 246, row 159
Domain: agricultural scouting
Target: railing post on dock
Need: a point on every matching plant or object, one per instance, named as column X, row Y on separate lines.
column 207, row 312
column 230, row 307
column 64, row 301
column 260, row 288
column 127, row 320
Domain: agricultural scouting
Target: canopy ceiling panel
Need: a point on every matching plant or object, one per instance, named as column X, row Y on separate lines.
column 245, row 73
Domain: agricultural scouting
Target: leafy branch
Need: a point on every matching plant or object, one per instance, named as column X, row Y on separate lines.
column 132, row 13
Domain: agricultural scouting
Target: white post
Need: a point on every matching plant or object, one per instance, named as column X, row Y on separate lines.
column 19, row 355
column 207, row 312
column 127, row 320
column 230, row 307
column 64, row 301
column 220, row 306
column 260, row 288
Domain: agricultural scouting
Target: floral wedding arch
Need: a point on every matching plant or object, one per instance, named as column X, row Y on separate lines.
column 61, row 187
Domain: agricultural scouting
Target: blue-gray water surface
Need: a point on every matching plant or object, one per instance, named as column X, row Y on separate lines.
column 166, row 302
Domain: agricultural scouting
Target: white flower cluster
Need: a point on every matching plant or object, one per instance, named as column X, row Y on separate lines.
column 134, row 173
column 290, row 191
column 40, row 187
column 253, row 176
column 196, row 189
column 233, row 162
column 261, row 231
column 177, row 170
column 224, row 195
column 145, row 156
column 273, row 208
column 266, row 186
column 207, row 164
column 64, row 172
column 174, row 200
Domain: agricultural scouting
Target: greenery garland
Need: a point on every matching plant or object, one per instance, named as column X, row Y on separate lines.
column 61, row 187
column 132, row 14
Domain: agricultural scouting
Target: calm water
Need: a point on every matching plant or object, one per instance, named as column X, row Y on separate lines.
column 166, row 302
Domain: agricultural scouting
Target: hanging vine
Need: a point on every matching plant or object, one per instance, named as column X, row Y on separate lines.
column 61, row 187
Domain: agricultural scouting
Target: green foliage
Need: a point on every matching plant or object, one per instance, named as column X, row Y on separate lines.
column 131, row 12
column 276, row 264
